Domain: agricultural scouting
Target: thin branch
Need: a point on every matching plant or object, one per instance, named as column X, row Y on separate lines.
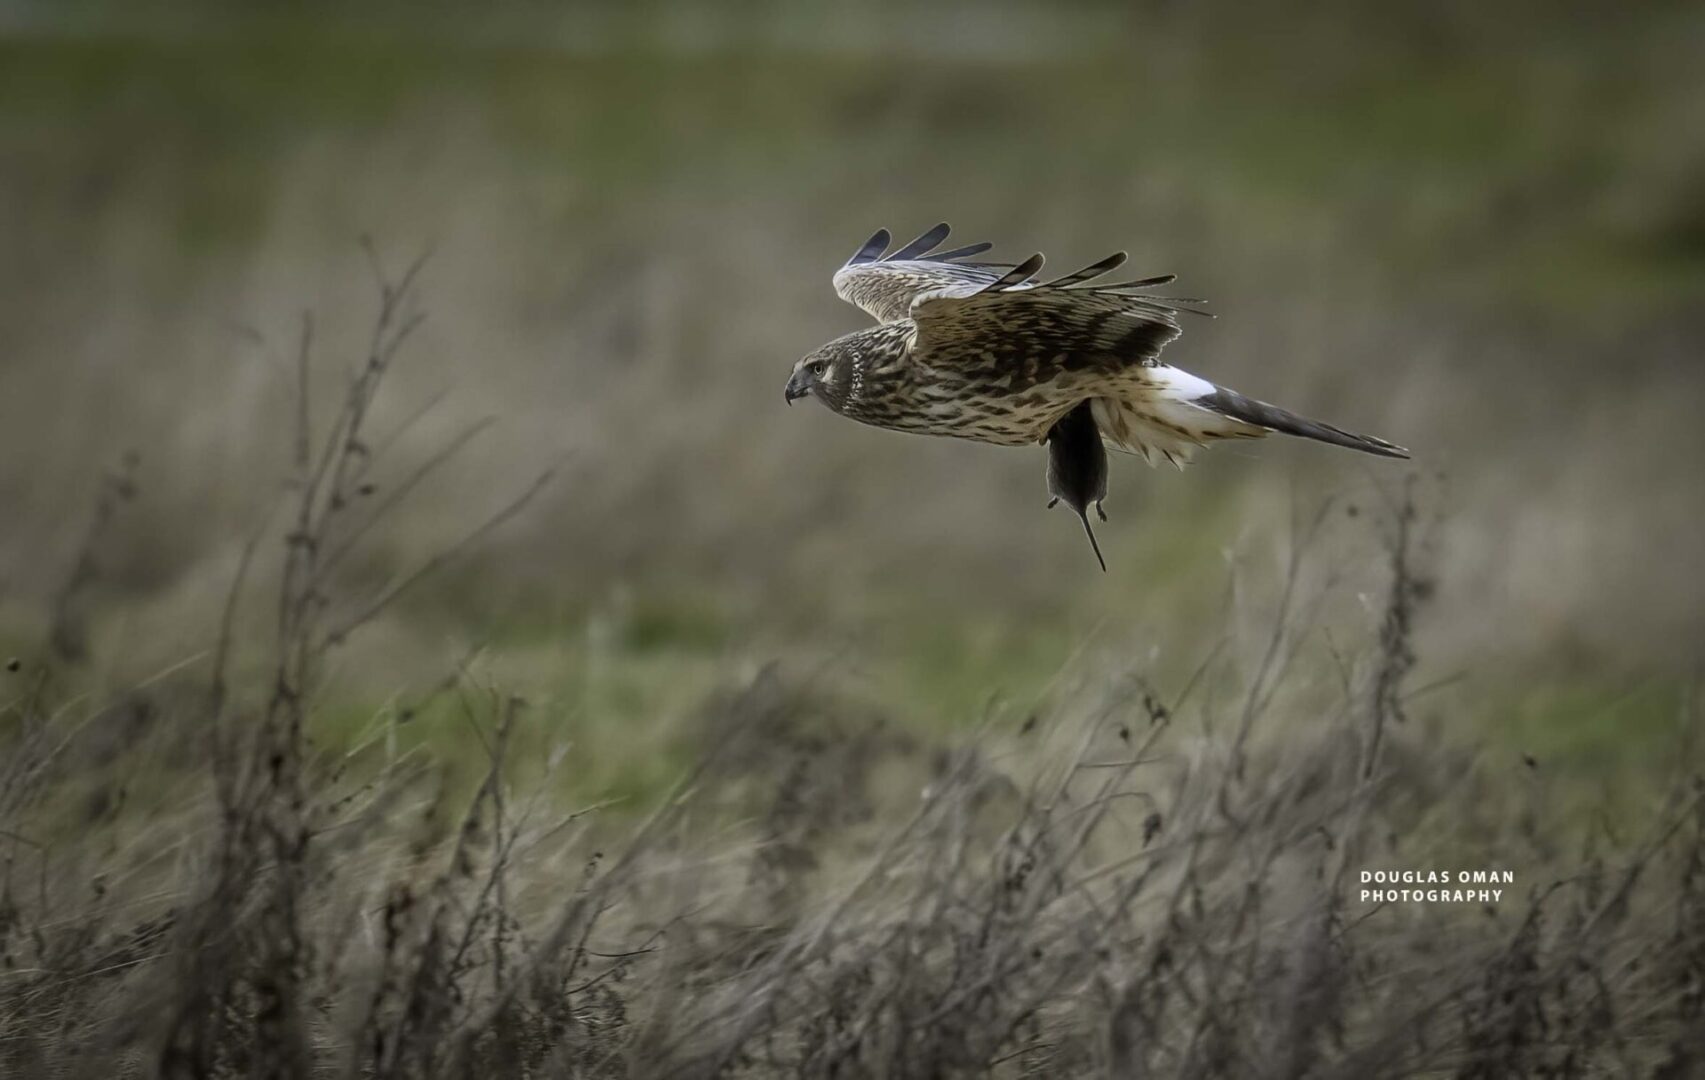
column 443, row 558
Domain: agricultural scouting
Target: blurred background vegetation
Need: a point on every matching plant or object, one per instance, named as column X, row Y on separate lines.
column 1478, row 230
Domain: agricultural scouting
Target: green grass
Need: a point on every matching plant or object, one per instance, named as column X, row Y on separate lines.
column 1423, row 154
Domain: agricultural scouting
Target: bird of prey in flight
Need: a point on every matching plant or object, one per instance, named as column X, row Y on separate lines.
column 989, row 351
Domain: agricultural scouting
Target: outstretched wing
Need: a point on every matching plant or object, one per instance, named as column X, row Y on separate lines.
column 885, row 285
column 1030, row 331
column 1045, row 347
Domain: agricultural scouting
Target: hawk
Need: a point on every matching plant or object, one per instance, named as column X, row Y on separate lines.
column 990, row 352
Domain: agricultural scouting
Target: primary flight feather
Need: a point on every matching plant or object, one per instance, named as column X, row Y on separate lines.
column 989, row 351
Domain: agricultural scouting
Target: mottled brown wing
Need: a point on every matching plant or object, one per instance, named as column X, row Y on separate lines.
column 884, row 285
column 1026, row 333
column 1031, row 351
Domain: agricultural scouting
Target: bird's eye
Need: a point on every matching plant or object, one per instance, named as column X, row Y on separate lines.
column 817, row 367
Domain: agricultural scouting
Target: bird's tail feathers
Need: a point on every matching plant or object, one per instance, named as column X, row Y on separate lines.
column 1232, row 404
column 1172, row 412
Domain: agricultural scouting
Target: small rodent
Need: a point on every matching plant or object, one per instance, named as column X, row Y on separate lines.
column 1077, row 468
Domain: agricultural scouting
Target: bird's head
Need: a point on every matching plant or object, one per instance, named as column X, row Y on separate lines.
column 826, row 374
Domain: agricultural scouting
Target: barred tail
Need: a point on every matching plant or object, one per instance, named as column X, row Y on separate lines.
column 1230, row 403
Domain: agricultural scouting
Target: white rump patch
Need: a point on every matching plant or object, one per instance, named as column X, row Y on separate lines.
column 1154, row 416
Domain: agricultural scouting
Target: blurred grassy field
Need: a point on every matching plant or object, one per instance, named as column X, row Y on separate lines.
column 1478, row 233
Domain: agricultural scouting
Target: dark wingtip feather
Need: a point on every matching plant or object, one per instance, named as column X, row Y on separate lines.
column 1018, row 275
column 924, row 244
column 872, row 249
column 961, row 253
column 1144, row 283
column 1133, row 290
column 1169, row 303
column 1090, row 272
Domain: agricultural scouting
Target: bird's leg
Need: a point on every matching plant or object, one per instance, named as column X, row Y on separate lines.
column 1099, row 511
column 1055, row 501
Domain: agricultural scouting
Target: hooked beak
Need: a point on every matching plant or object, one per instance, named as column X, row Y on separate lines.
column 798, row 385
